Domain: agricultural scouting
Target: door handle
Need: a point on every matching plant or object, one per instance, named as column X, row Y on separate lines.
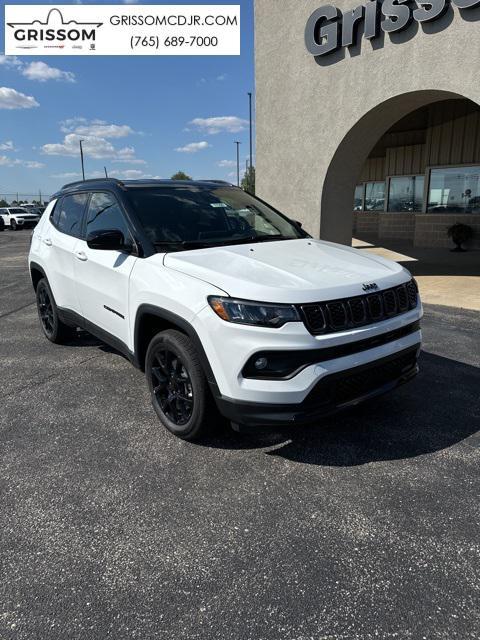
column 81, row 255
column 48, row 242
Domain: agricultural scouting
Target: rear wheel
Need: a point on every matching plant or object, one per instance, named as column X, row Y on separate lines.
column 53, row 328
column 13, row 225
column 177, row 385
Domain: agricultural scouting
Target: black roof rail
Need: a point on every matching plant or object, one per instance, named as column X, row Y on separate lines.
column 73, row 184
column 217, row 182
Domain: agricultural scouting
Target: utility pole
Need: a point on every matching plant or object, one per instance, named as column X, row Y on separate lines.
column 40, row 196
column 251, row 129
column 81, row 158
column 106, row 174
column 238, row 161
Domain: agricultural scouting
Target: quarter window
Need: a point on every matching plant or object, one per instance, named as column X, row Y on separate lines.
column 104, row 213
column 68, row 218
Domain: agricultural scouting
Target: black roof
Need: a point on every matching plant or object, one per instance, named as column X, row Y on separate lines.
column 109, row 183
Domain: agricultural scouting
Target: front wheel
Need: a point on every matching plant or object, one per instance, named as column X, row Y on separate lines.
column 177, row 385
column 13, row 225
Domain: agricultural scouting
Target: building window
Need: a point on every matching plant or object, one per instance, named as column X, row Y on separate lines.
column 454, row 190
column 358, row 198
column 405, row 194
column 374, row 196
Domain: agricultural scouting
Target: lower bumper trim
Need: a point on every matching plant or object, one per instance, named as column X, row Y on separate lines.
column 333, row 393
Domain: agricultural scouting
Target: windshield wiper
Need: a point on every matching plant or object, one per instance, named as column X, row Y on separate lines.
column 203, row 244
column 185, row 244
column 268, row 238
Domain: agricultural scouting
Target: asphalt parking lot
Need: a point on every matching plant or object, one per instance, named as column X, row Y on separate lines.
column 363, row 527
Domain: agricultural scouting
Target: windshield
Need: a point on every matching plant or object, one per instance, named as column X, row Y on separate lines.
column 18, row 211
column 185, row 216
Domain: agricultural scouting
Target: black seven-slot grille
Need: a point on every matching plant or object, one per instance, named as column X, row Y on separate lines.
column 337, row 315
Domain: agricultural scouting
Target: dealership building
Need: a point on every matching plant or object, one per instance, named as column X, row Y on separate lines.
column 368, row 116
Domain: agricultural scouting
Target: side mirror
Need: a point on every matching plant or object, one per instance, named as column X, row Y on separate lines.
column 297, row 223
column 106, row 240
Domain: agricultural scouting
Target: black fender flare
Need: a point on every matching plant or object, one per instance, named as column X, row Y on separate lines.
column 187, row 328
column 35, row 266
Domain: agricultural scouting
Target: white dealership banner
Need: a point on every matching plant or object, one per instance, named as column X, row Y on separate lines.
column 118, row 30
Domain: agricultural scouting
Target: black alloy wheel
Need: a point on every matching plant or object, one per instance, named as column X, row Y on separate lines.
column 178, row 386
column 13, row 225
column 45, row 311
column 53, row 328
column 172, row 386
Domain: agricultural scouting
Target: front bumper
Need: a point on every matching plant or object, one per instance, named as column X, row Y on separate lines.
column 332, row 393
column 229, row 347
column 27, row 224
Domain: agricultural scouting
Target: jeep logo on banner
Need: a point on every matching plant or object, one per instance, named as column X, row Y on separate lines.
column 328, row 29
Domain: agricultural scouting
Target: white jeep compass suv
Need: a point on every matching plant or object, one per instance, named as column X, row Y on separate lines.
column 224, row 301
column 19, row 218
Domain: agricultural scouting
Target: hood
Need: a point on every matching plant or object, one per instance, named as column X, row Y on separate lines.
column 293, row 271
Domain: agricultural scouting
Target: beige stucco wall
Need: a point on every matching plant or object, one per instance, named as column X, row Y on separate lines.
column 304, row 110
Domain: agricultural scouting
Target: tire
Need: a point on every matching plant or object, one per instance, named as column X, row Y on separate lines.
column 54, row 329
column 13, row 225
column 177, row 384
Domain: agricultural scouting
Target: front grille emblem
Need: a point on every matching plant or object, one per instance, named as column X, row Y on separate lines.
column 372, row 286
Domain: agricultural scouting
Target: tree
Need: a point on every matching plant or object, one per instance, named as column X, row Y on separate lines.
column 181, row 175
column 3, row 203
column 248, row 180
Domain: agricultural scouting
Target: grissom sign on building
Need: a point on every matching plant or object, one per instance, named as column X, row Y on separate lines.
column 328, row 29
column 122, row 30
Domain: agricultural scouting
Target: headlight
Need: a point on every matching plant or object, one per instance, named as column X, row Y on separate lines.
column 253, row 313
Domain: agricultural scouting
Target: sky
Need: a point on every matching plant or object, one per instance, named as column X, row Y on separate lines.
column 143, row 116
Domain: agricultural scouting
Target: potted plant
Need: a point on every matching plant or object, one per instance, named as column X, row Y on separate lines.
column 460, row 233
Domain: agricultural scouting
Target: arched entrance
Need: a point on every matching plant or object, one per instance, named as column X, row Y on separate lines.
column 351, row 155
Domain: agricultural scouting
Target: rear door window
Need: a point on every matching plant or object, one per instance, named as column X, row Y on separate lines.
column 68, row 214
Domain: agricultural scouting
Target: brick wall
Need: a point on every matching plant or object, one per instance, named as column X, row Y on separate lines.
column 400, row 226
column 421, row 229
column 365, row 224
column 431, row 229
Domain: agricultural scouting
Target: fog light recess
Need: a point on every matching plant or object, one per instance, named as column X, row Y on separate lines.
column 261, row 363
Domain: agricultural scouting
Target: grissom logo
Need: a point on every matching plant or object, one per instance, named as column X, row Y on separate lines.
column 372, row 286
column 54, row 31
